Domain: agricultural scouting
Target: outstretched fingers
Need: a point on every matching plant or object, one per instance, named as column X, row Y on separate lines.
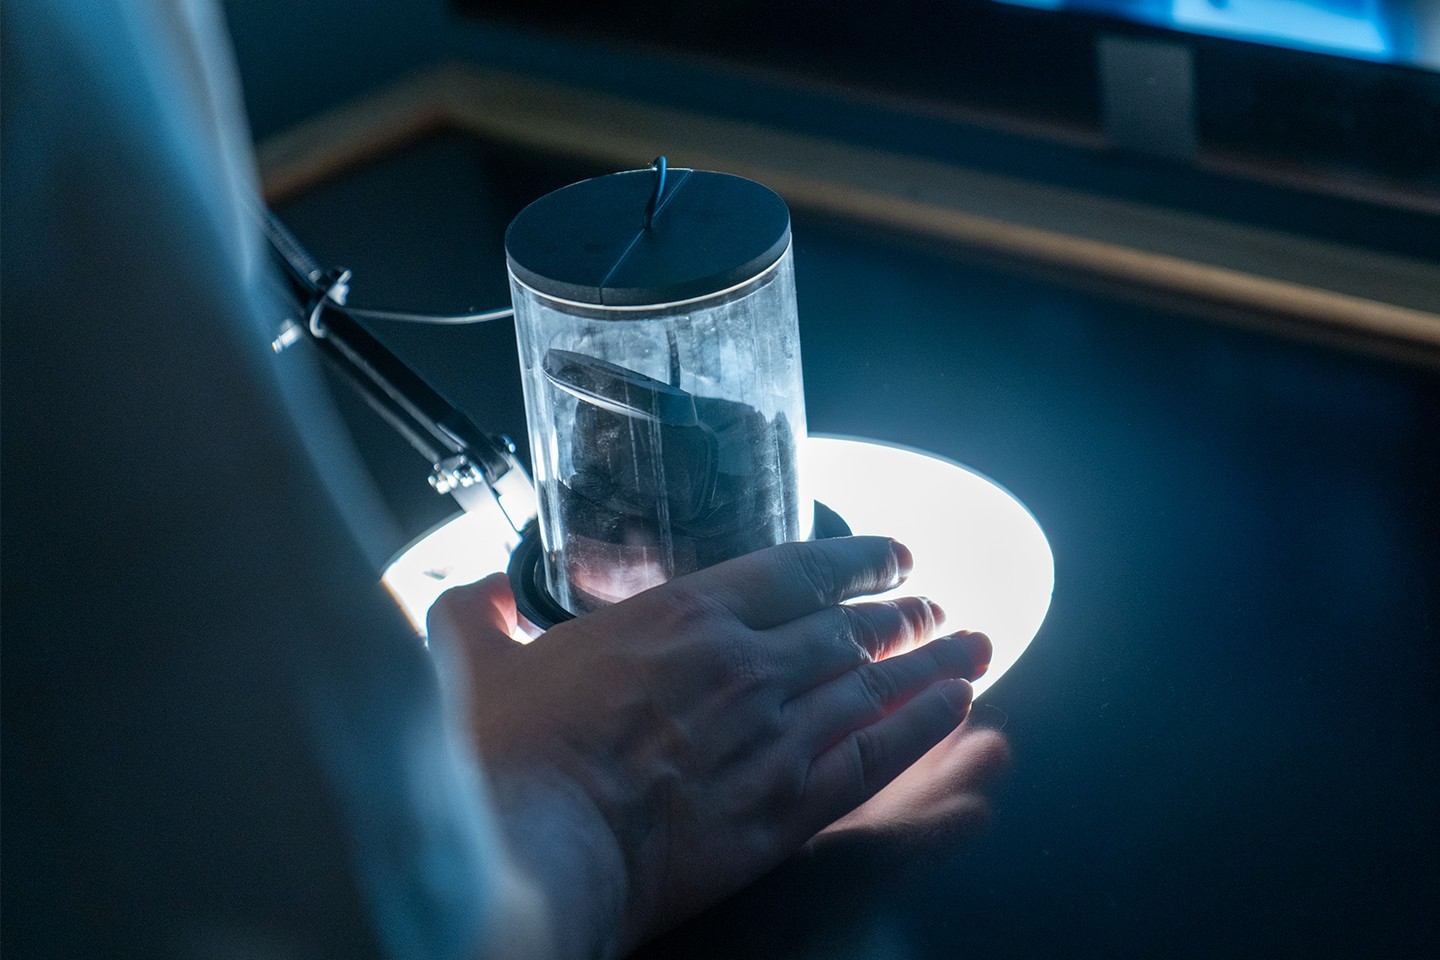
column 819, row 647
column 780, row 584
column 864, row 761
column 866, row 726
column 870, row 692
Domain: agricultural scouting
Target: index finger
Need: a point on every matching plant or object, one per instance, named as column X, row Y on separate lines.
column 779, row 584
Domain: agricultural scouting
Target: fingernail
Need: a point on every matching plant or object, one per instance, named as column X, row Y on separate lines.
column 959, row 693
column 936, row 611
column 904, row 559
column 981, row 650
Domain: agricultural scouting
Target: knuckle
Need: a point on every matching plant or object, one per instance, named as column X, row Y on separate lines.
column 917, row 619
column 745, row 663
column 876, row 688
column 814, row 572
column 937, row 658
column 860, row 630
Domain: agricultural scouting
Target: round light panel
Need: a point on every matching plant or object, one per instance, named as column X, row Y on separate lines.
column 978, row 552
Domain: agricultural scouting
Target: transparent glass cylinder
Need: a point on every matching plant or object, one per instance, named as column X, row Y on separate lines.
column 665, row 437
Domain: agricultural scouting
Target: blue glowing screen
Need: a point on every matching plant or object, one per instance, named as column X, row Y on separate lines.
column 1393, row 31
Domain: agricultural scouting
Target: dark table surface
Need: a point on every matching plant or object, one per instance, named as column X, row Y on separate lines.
column 1225, row 734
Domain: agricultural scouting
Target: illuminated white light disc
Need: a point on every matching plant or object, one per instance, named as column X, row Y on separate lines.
column 978, row 552
column 459, row 551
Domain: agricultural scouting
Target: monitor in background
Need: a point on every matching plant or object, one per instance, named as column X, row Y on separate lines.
column 1403, row 32
column 1329, row 97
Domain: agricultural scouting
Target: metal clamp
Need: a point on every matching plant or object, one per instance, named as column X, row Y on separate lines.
column 466, row 462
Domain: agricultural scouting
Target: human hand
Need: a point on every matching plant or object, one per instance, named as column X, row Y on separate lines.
column 654, row 756
column 941, row 799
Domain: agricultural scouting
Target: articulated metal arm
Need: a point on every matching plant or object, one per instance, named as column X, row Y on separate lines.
column 467, row 462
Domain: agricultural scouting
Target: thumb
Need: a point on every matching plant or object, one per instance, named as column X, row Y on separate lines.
column 475, row 618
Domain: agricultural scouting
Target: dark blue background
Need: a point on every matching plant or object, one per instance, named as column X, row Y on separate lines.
column 1225, row 733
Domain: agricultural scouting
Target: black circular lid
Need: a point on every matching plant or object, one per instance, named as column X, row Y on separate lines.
column 589, row 242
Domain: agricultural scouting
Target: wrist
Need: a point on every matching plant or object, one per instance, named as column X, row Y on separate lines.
column 560, row 842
